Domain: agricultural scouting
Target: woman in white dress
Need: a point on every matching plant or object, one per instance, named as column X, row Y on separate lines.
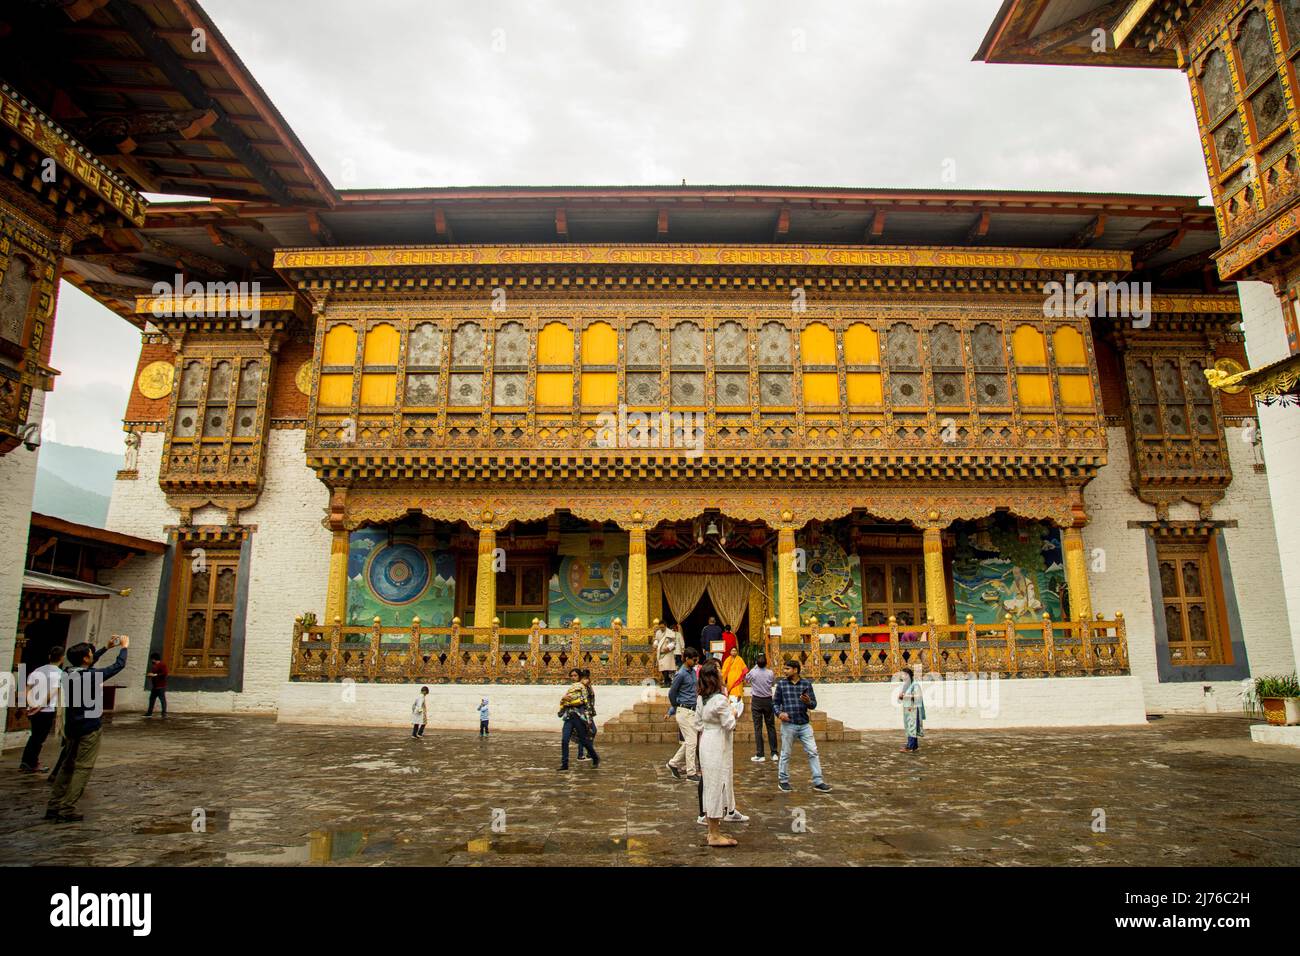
column 717, row 722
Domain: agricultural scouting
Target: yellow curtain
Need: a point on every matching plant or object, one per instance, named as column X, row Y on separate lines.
column 862, row 347
column 1029, row 346
column 683, row 592
column 729, row 593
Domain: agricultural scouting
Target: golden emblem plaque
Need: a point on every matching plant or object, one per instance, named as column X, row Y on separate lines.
column 303, row 378
column 1227, row 368
column 156, row 379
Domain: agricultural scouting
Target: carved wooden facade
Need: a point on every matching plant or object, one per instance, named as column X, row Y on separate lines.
column 225, row 351
column 1241, row 59
column 52, row 192
column 1177, row 441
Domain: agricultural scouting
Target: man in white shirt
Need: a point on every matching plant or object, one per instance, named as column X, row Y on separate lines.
column 664, row 646
column 44, row 690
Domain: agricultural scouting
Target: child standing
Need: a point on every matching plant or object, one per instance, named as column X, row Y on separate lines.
column 420, row 713
column 483, row 717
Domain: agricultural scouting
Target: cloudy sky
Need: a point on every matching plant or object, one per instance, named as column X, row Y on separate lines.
column 848, row 93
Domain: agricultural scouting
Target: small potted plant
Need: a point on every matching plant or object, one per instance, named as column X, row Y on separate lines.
column 1278, row 696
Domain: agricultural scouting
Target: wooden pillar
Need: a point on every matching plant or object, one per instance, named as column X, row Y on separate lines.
column 336, row 592
column 757, row 610
column 787, row 579
column 655, row 587
column 485, row 587
column 638, row 602
column 936, row 587
column 1076, row 574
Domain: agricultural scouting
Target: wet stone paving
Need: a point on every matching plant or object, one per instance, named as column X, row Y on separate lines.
column 1180, row 791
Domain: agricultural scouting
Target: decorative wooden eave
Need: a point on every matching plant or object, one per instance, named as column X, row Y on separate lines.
column 1129, row 27
column 1275, row 382
column 1256, row 254
column 940, row 268
column 100, row 193
column 275, row 311
column 585, row 466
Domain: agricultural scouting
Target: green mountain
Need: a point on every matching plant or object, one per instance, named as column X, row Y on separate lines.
column 75, row 483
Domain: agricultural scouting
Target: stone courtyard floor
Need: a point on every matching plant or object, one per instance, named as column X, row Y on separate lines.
column 1181, row 791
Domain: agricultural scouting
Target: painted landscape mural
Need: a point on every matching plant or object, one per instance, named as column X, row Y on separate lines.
column 1005, row 565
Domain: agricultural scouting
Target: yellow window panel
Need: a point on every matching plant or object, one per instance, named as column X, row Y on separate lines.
column 863, row 387
column 820, row 388
column 555, row 345
column 861, row 345
column 599, row 388
column 1035, row 390
column 381, row 346
column 555, row 389
column 1076, row 391
column 335, row 391
column 817, row 345
column 1068, row 345
column 340, row 346
column 378, row 389
column 1029, row 346
column 599, row 345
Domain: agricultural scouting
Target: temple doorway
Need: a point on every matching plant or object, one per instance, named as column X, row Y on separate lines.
column 695, row 621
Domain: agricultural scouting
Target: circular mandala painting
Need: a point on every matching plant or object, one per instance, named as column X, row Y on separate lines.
column 829, row 577
column 591, row 583
column 398, row 573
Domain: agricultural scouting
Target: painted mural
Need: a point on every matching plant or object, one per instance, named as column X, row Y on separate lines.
column 397, row 574
column 591, row 583
column 1004, row 565
column 830, row 586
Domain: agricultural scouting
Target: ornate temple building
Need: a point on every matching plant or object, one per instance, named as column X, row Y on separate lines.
column 1240, row 58
column 469, row 437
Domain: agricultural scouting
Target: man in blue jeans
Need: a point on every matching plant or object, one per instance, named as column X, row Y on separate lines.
column 573, row 711
column 793, row 699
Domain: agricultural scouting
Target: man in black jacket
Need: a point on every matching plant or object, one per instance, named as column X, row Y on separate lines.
column 710, row 633
column 84, row 693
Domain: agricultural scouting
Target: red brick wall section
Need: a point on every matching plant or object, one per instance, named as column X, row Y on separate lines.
column 139, row 408
column 1111, row 372
column 286, row 400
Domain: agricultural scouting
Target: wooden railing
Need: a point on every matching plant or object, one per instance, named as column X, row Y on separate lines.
column 1035, row 649
column 470, row 655
column 622, row 655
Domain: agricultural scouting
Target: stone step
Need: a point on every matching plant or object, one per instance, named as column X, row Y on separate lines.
column 743, row 745
column 649, row 720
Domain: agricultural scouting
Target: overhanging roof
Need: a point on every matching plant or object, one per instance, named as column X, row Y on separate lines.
column 124, row 77
column 1063, row 32
column 66, row 589
column 100, row 537
column 1164, row 233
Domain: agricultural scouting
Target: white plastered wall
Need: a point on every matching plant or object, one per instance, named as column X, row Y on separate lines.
column 287, row 573
column 1119, row 574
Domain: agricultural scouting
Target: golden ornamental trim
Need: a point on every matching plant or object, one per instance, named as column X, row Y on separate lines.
column 52, row 140
column 670, row 254
column 789, row 508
